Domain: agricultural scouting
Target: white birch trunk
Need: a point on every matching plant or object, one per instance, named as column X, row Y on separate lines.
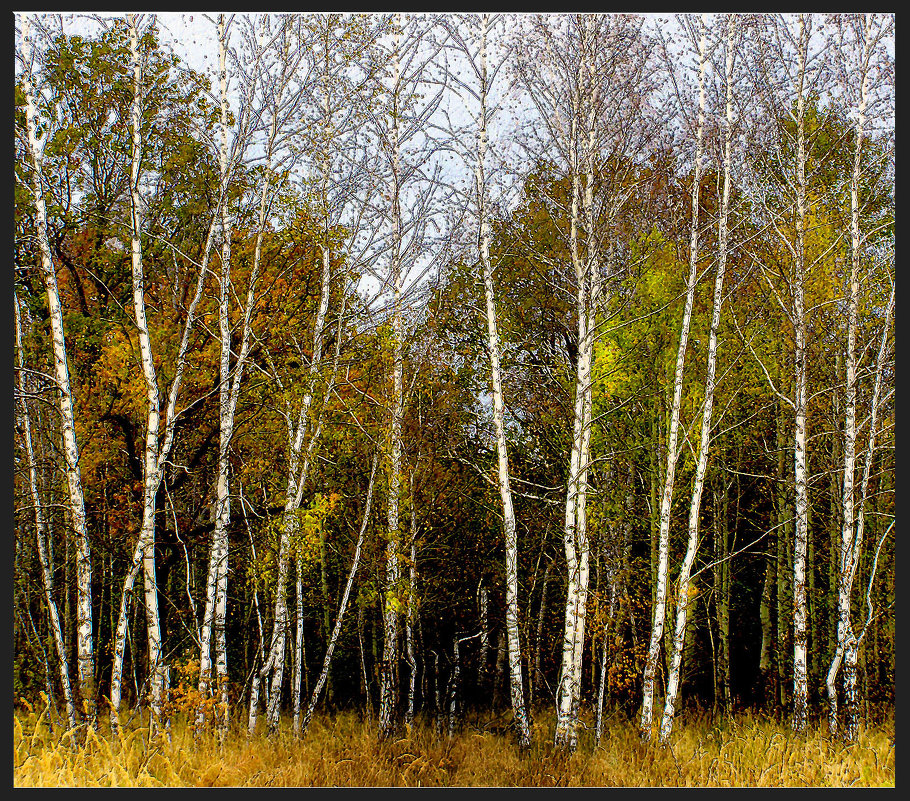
column 409, row 632
column 660, row 604
column 851, row 648
column 850, row 546
column 581, row 143
column 151, row 474
column 800, row 608
column 299, row 661
column 257, row 674
column 41, row 529
column 336, row 631
column 76, row 507
column 565, row 728
column 685, row 594
column 157, row 449
column 519, row 709
column 213, row 619
column 298, row 472
column 388, row 687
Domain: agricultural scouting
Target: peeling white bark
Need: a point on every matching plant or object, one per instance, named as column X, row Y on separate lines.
column 800, row 608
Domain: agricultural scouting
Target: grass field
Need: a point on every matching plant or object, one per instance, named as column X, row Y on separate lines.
column 746, row 751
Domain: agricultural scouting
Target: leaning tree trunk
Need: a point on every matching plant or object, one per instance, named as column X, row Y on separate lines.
column 76, row 507
column 297, row 476
column 336, row 631
column 41, row 528
column 660, row 604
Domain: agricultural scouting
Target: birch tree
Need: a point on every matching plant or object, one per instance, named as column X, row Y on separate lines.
column 791, row 69
column 684, row 592
column 475, row 46
column 23, row 414
column 673, row 445
column 76, row 507
column 862, row 37
column 408, row 172
column 158, row 442
column 331, row 78
column 341, row 87
column 274, row 71
column 587, row 77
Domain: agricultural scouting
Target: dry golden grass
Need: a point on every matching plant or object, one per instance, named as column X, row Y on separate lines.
column 748, row 751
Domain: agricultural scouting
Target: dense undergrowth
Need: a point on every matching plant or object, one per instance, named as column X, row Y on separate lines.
column 747, row 750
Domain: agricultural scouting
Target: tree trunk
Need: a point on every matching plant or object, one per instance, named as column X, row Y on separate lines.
column 299, row 661
column 537, row 675
column 722, row 590
column 76, row 507
column 800, row 432
column 388, row 689
column 784, row 562
column 686, row 592
column 519, row 711
column 412, row 611
column 41, row 528
column 587, row 270
column 851, row 532
column 657, row 625
column 336, row 631
column 152, row 472
column 298, row 471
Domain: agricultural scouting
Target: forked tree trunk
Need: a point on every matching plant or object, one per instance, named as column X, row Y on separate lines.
column 660, row 604
column 851, row 533
column 216, row 585
column 685, row 592
column 587, row 268
column 157, row 448
column 298, row 472
column 848, row 640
